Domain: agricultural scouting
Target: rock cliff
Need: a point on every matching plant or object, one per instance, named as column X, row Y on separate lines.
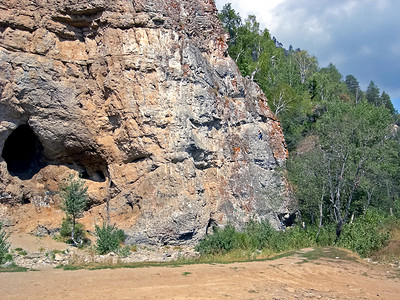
column 142, row 101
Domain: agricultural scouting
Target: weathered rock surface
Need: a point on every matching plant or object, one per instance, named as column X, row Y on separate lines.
column 141, row 99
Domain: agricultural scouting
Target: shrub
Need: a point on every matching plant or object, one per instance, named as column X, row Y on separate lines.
column 66, row 230
column 124, row 251
column 365, row 235
column 259, row 234
column 4, row 245
column 221, row 241
column 327, row 235
column 109, row 238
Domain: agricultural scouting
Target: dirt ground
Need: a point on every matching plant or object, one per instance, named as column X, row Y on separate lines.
column 290, row 277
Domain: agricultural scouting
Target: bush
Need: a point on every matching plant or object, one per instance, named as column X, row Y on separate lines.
column 66, row 230
column 221, row 241
column 4, row 245
column 365, row 235
column 124, row 251
column 259, row 234
column 109, row 238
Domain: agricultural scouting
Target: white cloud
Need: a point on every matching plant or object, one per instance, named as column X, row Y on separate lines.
column 365, row 50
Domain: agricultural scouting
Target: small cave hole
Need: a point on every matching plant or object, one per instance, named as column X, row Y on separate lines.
column 186, row 236
column 84, row 174
column 287, row 219
column 101, row 175
column 25, row 200
column 211, row 225
column 23, row 153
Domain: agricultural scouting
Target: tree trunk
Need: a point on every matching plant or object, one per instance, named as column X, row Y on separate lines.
column 73, row 231
column 321, row 210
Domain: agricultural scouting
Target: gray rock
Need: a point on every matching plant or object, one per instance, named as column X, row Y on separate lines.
column 143, row 102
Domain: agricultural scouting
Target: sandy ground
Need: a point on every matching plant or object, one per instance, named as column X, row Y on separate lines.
column 284, row 278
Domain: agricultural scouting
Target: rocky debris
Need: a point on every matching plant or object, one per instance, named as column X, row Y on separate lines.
column 142, row 101
column 71, row 255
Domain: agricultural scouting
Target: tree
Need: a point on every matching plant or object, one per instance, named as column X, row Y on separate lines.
column 353, row 145
column 372, row 94
column 385, row 100
column 231, row 21
column 74, row 193
column 354, row 88
column 307, row 174
column 327, row 84
column 307, row 64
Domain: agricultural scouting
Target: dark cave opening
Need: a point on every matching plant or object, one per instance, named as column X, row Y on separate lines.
column 97, row 176
column 23, row 153
column 287, row 219
column 101, row 176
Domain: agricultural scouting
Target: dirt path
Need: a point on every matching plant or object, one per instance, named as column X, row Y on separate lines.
column 284, row 278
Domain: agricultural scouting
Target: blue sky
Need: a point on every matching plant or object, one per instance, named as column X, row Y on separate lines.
column 360, row 37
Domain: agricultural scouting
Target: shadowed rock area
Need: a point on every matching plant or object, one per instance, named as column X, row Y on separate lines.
column 141, row 99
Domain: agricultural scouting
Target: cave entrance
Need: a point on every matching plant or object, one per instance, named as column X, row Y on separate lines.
column 23, row 153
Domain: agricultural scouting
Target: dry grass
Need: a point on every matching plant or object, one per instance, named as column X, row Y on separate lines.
column 391, row 252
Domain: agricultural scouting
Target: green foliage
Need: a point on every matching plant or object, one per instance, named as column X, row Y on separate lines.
column 124, row 251
column 4, row 245
column 231, row 22
column 221, row 241
column 74, row 193
column 261, row 236
column 344, row 149
column 109, row 238
column 396, row 208
column 366, row 234
column 258, row 233
column 372, row 94
column 66, row 230
column 354, row 88
column 350, row 165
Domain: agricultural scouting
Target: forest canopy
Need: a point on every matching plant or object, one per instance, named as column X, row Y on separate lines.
column 343, row 141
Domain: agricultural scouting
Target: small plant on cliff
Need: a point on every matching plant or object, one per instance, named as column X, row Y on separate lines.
column 109, row 238
column 4, row 245
column 74, row 193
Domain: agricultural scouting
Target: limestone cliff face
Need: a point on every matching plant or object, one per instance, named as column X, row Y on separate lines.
column 141, row 99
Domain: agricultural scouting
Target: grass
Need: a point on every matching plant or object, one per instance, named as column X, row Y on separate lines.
column 390, row 252
column 212, row 260
column 327, row 253
column 20, row 251
column 13, row 268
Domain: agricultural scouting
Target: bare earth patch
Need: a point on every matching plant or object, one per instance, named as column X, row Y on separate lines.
column 293, row 277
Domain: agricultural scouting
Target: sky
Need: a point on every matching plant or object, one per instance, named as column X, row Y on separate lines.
column 360, row 37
